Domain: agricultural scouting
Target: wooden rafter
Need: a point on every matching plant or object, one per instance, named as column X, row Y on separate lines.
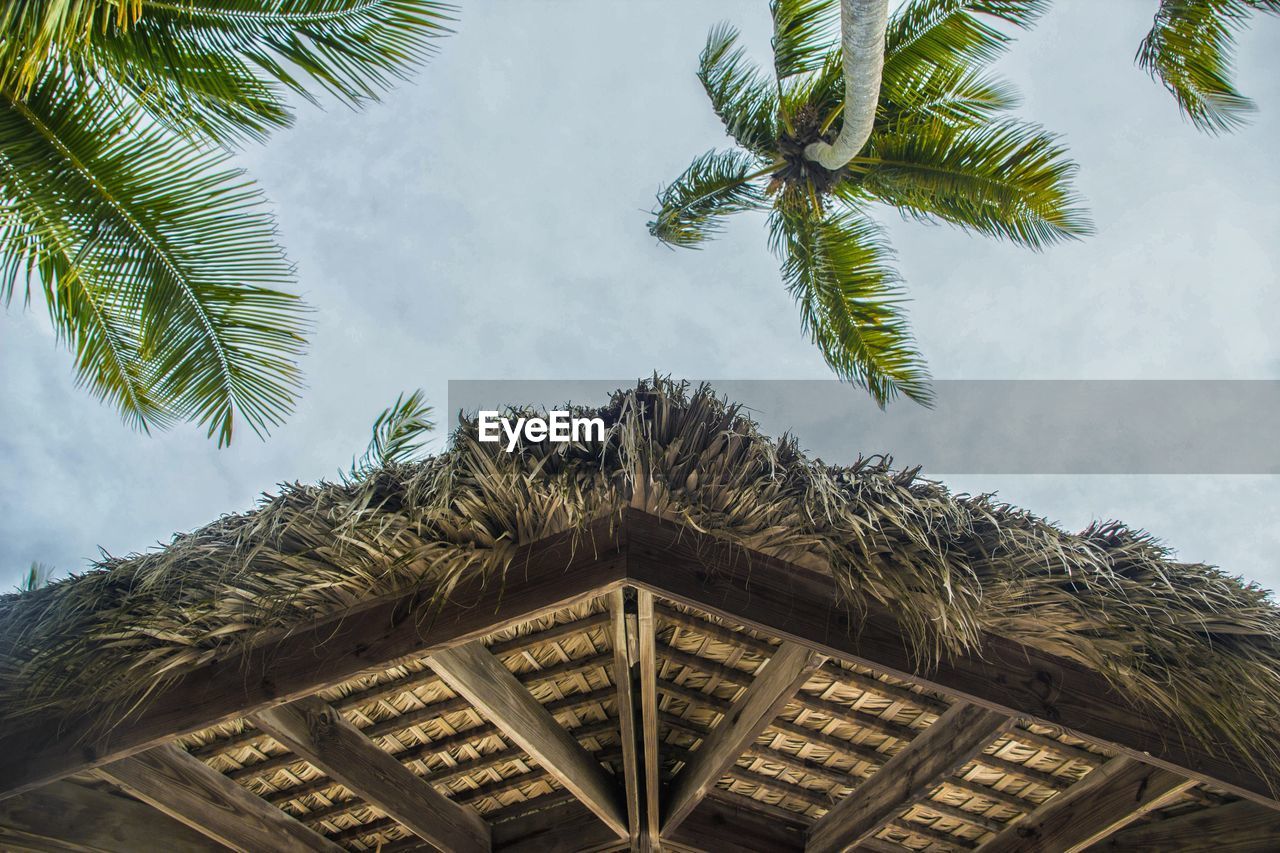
column 625, row 639
column 315, row 731
column 938, row 751
column 719, row 825
column 188, row 790
column 566, row 827
column 652, row 793
column 789, row 668
column 68, row 816
column 1240, row 827
column 489, row 686
column 1105, row 801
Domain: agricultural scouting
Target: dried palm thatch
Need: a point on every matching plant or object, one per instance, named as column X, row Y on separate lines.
column 1184, row 638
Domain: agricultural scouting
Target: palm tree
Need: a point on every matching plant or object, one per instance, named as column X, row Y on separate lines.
column 931, row 137
column 1190, row 50
column 156, row 259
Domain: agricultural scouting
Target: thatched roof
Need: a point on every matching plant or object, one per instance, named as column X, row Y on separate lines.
column 1186, row 639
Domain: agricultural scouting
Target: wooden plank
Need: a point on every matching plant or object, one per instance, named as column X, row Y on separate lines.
column 67, row 816
column 543, row 576
column 647, row 629
column 1105, row 801
column 1240, row 827
column 784, row 674
column 315, row 731
column 907, row 777
column 802, row 605
column 625, row 638
column 565, row 827
column 488, row 685
column 188, row 790
column 717, row 825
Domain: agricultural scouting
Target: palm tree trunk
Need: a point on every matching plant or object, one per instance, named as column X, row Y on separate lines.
column 862, row 29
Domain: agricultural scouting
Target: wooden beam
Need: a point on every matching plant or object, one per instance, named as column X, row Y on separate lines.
column 652, row 764
column 313, row 730
column 188, row 790
column 802, row 605
column 1240, row 827
column 625, row 639
column 1105, row 801
column 67, row 816
column 907, row 777
column 546, row 575
column 566, row 827
column 717, row 825
column 784, row 674
column 497, row 694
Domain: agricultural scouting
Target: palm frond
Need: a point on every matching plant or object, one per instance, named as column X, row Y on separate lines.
column 37, row 576
column 32, row 32
column 398, row 433
column 955, row 96
column 155, row 235
column 1010, row 180
column 804, row 34
column 837, row 266
column 715, row 185
column 743, row 100
column 186, row 85
column 1190, row 49
column 351, row 48
column 951, row 34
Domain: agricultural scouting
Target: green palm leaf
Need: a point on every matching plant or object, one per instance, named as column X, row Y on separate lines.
column 1190, row 49
column 1008, row 180
column 189, row 87
column 715, row 185
column 837, row 268
column 34, row 31
column 351, row 48
column 100, row 331
column 955, row 96
column 804, row 32
column 744, row 101
column 951, row 34
column 398, row 434
column 169, row 243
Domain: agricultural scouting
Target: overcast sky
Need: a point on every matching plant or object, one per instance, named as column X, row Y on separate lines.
column 488, row 220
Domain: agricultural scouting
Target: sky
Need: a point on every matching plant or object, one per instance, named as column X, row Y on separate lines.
column 487, row 220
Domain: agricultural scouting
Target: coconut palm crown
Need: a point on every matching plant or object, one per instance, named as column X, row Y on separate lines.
column 943, row 147
column 157, row 259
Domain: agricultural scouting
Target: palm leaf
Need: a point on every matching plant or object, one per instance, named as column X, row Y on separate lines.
column 837, row 268
column 186, row 85
column 398, row 433
column 804, row 33
column 950, row 34
column 351, row 48
column 744, row 101
column 34, row 31
column 1190, row 49
column 38, row 575
column 715, row 185
column 955, row 96
column 1008, row 180
column 169, row 242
